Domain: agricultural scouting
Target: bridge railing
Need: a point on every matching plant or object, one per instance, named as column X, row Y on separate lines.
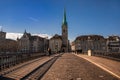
column 9, row 60
column 110, row 55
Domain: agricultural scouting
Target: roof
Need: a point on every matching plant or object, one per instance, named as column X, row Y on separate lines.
column 6, row 41
column 30, row 37
column 64, row 18
column 2, row 32
column 86, row 37
column 113, row 38
column 56, row 36
column 35, row 38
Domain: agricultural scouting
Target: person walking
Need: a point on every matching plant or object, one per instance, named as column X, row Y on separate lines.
column 49, row 51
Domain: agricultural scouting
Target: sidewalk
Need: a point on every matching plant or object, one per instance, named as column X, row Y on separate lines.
column 111, row 66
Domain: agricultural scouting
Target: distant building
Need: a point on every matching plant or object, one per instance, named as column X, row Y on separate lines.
column 60, row 42
column 73, row 46
column 2, row 35
column 113, row 44
column 7, row 45
column 65, row 41
column 29, row 44
column 55, row 43
column 93, row 42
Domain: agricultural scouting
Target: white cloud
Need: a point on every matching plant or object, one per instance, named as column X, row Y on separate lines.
column 13, row 35
column 19, row 35
column 33, row 19
column 43, row 35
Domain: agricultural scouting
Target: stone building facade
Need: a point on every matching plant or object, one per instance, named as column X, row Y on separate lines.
column 55, row 43
column 113, row 44
column 7, row 45
column 60, row 43
column 95, row 43
column 29, row 44
column 2, row 35
column 72, row 46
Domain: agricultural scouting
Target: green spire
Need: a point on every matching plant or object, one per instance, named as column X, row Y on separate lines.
column 64, row 18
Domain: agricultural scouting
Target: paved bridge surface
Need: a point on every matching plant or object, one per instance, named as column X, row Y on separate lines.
column 67, row 66
column 81, row 67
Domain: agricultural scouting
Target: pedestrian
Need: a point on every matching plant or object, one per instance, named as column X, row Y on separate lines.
column 49, row 51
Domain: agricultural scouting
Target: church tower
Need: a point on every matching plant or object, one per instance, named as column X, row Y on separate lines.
column 64, row 34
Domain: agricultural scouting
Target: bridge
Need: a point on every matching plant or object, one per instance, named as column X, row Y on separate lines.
column 62, row 66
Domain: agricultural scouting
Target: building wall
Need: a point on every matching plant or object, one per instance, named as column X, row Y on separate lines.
column 72, row 46
column 2, row 35
column 46, row 45
column 30, row 44
column 55, row 45
column 65, row 37
column 93, row 42
column 113, row 44
column 24, row 45
column 35, row 46
column 41, row 45
column 7, row 45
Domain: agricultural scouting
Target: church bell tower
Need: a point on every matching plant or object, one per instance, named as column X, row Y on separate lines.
column 64, row 33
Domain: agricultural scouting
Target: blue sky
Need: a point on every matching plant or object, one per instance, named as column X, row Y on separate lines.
column 45, row 16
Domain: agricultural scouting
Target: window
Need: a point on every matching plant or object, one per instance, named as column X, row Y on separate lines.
column 64, row 30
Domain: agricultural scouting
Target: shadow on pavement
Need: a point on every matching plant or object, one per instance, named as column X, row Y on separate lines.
column 5, row 78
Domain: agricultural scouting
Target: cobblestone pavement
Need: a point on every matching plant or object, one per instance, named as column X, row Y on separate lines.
column 110, row 66
column 72, row 67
